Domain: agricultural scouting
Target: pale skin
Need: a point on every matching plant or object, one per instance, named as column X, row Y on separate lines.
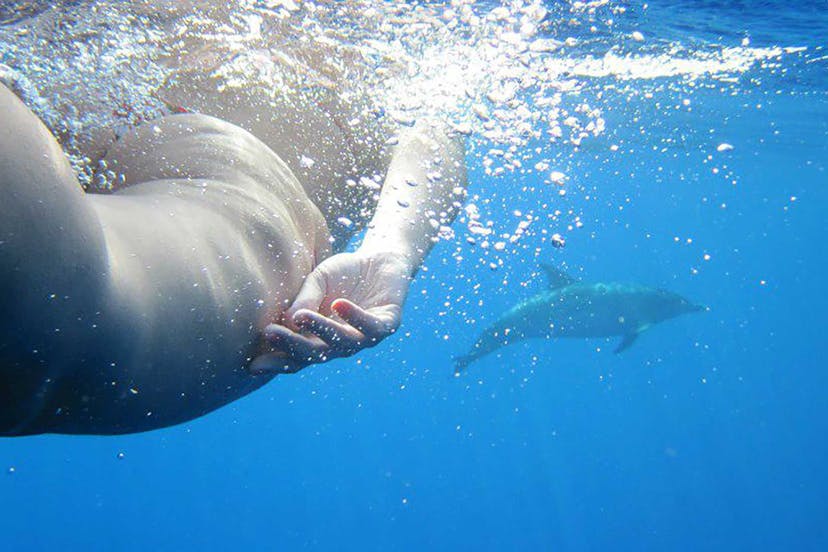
column 211, row 272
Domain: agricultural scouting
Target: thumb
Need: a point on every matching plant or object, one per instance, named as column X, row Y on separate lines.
column 310, row 295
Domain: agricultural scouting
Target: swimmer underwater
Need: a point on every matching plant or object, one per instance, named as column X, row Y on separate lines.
column 217, row 262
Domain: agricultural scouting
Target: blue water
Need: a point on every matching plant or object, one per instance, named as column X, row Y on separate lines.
column 708, row 434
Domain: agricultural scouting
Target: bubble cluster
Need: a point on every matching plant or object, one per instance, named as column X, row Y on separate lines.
column 526, row 83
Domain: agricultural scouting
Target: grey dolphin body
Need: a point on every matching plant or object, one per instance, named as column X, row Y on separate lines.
column 569, row 308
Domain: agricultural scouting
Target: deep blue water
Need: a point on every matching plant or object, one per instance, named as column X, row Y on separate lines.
column 708, row 434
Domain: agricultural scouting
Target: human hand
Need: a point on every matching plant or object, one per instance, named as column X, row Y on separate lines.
column 350, row 302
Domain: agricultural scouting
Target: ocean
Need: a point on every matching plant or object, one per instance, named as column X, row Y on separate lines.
column 706, row 176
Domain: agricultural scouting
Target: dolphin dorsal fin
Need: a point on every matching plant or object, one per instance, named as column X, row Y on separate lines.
column 556, row 278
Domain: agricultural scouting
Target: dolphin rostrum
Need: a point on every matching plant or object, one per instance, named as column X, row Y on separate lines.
column 570, row 308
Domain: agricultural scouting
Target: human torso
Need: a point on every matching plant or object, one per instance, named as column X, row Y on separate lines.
column 92, row 93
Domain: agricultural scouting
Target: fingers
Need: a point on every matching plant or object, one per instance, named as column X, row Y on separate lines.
column 305, row 349
column 326, row 338
column 343, row 340
column 374, row 326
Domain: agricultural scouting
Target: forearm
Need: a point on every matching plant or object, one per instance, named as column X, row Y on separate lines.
column 423, row 191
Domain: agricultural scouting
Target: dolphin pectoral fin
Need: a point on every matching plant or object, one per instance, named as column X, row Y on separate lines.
column 461, row 362
column 626, row 342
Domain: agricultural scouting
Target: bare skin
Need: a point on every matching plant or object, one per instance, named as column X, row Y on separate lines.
column 209, row 272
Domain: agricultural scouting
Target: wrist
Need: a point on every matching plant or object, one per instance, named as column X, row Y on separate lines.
column 404, row 260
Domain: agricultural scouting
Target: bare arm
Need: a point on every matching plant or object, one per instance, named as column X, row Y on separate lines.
column 352, row 301
column 141, row 309
column 52, row 262
column 425, row 182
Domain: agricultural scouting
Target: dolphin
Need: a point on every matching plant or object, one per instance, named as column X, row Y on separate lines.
column 570, row 308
